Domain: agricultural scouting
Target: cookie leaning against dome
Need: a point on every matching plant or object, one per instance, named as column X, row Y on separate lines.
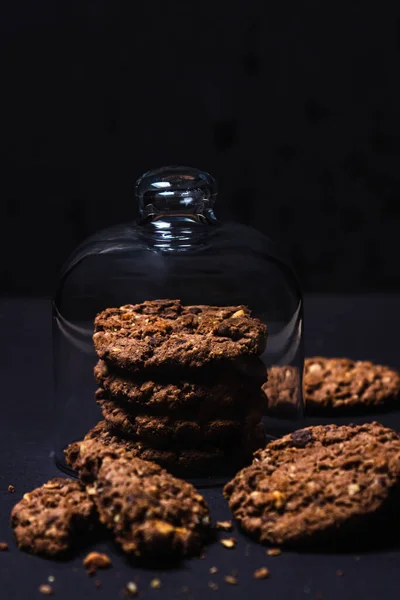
column 317, row 483
column 282, row 391
column 226, row 394
column 151, row 513
column 164, row 334
column 341, row 384
column 50, row 519
column 86, row 456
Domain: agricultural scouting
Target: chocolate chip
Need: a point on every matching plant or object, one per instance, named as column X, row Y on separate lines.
column 301, row 438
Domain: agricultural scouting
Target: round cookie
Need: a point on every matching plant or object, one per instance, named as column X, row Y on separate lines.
column 341, row 384
column 151, row 513
column 86, row 456
column 317, row 483
column 166, row 431
column 164, row 335
column 228, row 394
column 49, row 520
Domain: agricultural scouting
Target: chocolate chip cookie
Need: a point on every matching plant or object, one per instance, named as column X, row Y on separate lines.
column 50, row 519
column 86, row 456
column 167, row 431
column 164, row 334
column 225, row 395
column 341, row 384
column 317, row 483
column 151, row 513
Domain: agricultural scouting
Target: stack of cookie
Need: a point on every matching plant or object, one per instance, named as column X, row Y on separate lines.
column 181, row 384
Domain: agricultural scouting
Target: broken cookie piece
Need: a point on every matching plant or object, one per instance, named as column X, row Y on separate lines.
column 49, row 520
column 150, row 512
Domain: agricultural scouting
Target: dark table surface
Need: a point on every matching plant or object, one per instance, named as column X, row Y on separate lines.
column 363, row 327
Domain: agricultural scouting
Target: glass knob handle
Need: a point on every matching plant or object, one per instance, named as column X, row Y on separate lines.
column 175, row 190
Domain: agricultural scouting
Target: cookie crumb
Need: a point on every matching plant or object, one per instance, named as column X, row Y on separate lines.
column 155, row 584
column 231, row 579
column 3, row 546
column 131, row 589
column 261, row 573
column 202, row 556
column 339, row 573
column 185, row 589
column 357, row 558
column 11, row 489
column 274, row 551
column 213, row 570
column 51, row 579
column 97, row 584
column 213, row 586
column 224, row 525
column 46, row 589
column 96, row 560
column 229, row 542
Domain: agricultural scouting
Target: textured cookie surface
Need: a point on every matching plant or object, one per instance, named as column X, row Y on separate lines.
column 48, row 520
column 150, row 512
column 164, row 334
column 228, row 394
column 334, row 384
column 317, row 482
column 167, row 431
column 86, row 456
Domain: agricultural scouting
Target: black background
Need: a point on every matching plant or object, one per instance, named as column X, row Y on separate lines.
column 292, row 106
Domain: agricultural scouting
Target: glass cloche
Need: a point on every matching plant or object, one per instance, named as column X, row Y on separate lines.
column 177, row 250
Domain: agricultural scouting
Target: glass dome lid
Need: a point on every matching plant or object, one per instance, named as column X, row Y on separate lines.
column 177, row 249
